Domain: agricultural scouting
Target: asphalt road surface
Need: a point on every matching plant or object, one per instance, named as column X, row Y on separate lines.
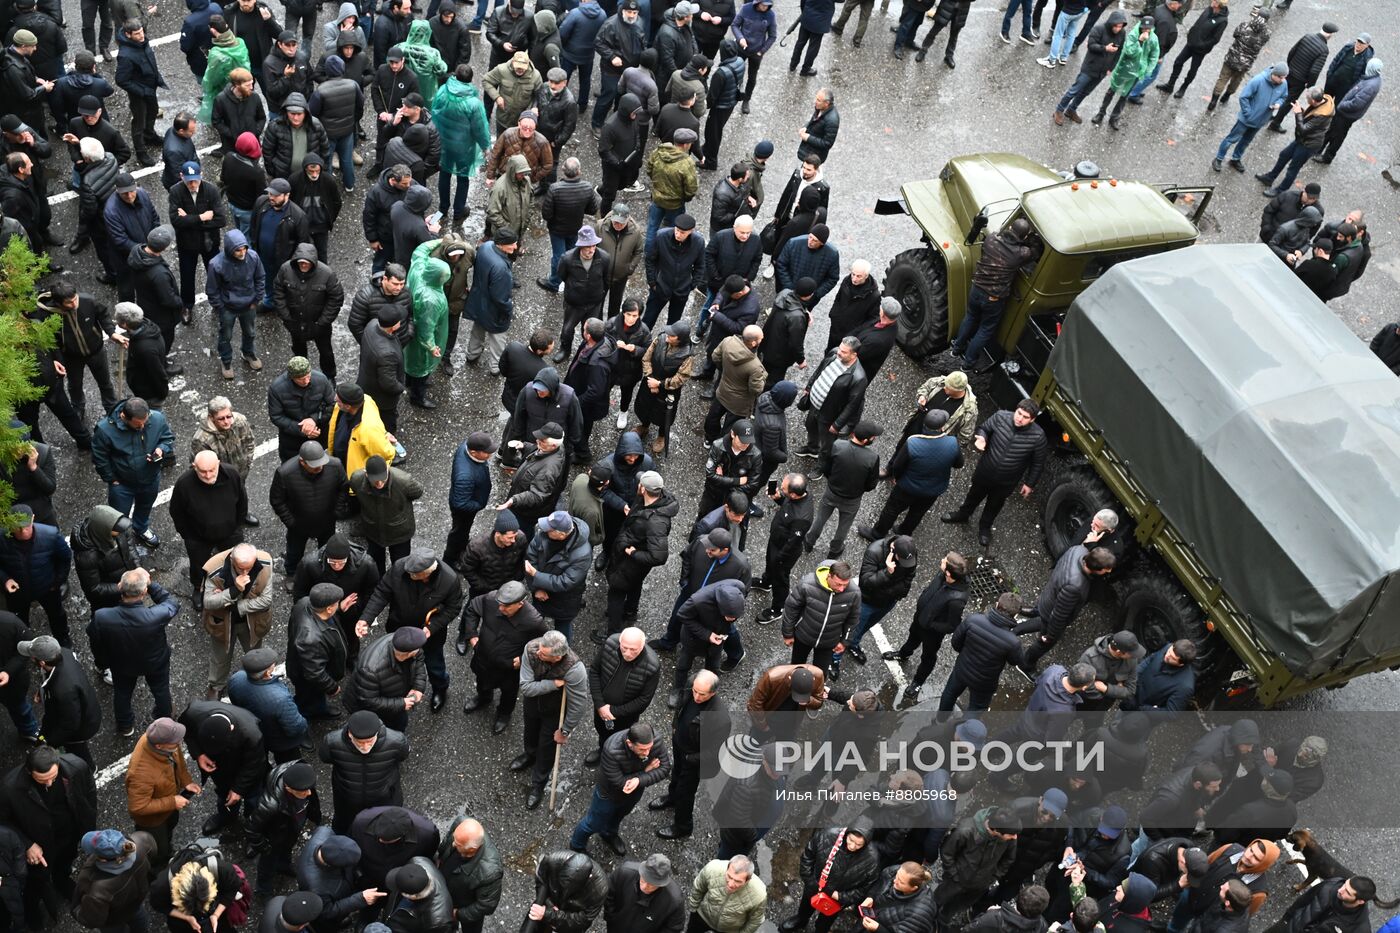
column 900, row 121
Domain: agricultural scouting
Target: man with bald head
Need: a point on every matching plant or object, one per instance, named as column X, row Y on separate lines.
column 237, row 607
column 208, row 505
column 623, row 679
column 685, row 739
column 471, row 866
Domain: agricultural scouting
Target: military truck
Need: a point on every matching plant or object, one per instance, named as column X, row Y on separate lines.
column 1247, row 439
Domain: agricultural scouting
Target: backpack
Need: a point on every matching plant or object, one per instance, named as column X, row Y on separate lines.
column 209, row 857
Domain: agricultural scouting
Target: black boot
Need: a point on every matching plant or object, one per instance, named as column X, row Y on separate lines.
column 922, row 54
column 1214, row 99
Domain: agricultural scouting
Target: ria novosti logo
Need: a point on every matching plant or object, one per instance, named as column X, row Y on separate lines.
column 741, row 756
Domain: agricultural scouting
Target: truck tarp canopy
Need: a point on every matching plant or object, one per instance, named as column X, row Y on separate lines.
column 1267, row 431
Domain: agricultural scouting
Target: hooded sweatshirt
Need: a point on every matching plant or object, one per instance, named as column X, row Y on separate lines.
column 460, row 119
column 331, row 32
column 546, row 49
column 422, row 59
column 234, row 283
column 226, row 53
column 510, row 202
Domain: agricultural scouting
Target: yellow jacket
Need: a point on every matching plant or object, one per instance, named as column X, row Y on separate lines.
column 367, row 439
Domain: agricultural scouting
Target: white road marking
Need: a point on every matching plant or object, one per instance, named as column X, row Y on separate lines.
column 139, row 173
column 163, row 40
column 883, row 643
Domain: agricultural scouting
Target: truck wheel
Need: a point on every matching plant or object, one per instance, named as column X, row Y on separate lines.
column 1154, row 607
column 1070, row 505
column 917, row 280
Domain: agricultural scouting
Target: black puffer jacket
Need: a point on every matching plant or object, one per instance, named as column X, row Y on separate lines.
column 1013, row 454
column 1065, row 593
column 486, row 566
column 96, row 183
column 532, row 413
column 242, row 764
column 852, row 873
column 572, row 887
column 972, row 857
column 432, row 914
column 878, row 586
column 536, row 485
column 100, row 558
column 640, row 678
column 307, row 302
column 274, row 805
column 818, row 616
column 1306, row 58
column 381, row 374
column 585, row 286
column 374, row 217
column 316, row 650
column 648, row 529
column 364, row 307
column 307, row 501
column 277, row 145
column 501, row 639
column 474, row 883
column 770, row 429
column 903, row 913
column 367, row 780
column 381, row 681
column 985, row 644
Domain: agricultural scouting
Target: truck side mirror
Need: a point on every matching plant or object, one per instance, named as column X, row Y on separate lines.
column 979, row 223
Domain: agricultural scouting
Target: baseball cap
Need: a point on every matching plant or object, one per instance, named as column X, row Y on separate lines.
column 191, row 171
column 1113, row 822
column 376, row 468
column 719, row 538
column 551, row 430
column 395, row 54
column 802, row 683
column 905, row 554
column 956, row 380
column 106, row 844
column 289, row 37
column 313, row 454
column 126, row 183
column 44, row 648
column 651, row 481
column 1125, row 641
column 88, row 104
column 279, row 186
column 23, row 515
column 481, row 442
column 1197, row 864
column 743, row 430
column 1054, row 801
column 300, row 908
column 161, row 238
column 341, row 851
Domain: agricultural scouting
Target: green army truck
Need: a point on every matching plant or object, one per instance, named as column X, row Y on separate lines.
column 1249, row 441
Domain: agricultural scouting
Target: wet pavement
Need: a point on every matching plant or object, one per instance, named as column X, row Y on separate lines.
column 900, row 121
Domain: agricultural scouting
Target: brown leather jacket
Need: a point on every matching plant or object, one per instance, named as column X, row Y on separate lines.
column 152, row 783
column 775, row 686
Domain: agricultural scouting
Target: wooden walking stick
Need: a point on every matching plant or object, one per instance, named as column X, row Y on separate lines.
column 558, row 747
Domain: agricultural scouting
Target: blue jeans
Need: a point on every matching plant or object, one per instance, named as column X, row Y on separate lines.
column 269, row 280
column 381, row 259
column 1140, row 845
column 978, row 325
column 1240, row 136
column 585, row 79
column 603, row 817
column 869, row 615
column 1294, row 155
column 710, row 296
column 564, row 627
column 1025, row 7
column 1145, row 82
column 22, row 715
column 1181, row 918
column 136, row 500
column 1082, row 87
column 123, row 685
column 247, row 318
column 482, row 12
column 459, row 203
column 657, row 215
column 1066, row 28
column 559, row 245
column 909, row 22
column 344, row 147
column 607, row 93
column 242, row 219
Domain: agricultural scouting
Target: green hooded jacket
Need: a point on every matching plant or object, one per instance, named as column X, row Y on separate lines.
column 429, row 304
column 1136, row 59
column 511, row 198
column 672, row 174
column 461, row 123
column 227, row 53
column 422, row 59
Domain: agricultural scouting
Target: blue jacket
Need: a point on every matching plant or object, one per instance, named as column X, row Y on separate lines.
column 926, row 463
column 759, row 29
column 489, row 303
column 67, row 90
column 40, row 567
column 119, row 452
column 195, row 40
column 130, row 638
column 796, row 261
column 336, row 887
column 175, row 151
column 281, row 722
column 127, row 225
column 137, row 71
column 471, row 482
column 579, row 30
column 1357, row 101
column 230, row 283
column 817, row 14
column 1160, row 687
column 1258, row 98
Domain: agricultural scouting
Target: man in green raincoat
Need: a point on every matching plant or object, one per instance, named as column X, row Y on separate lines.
column 227, row 53
column 511, row 198
column 428, row 302
column 461, row 123
column 422, row 59
column 1139, row 56
column 460, row 257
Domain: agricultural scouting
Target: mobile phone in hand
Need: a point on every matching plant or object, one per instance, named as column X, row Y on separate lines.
column 186, row 793
column 772, row 487
column 866, row 913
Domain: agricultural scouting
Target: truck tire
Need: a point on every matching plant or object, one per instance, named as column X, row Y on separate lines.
column 916, row 278
column 1070, row 505
column 1153, row 606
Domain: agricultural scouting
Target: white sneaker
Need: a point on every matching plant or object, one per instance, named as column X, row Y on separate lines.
column 1046, row 62
column 635, row 187
column 107, row 676
column 767, row 272
column 621, row 420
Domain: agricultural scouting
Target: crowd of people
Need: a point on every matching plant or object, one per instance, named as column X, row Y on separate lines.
column 375, row 609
